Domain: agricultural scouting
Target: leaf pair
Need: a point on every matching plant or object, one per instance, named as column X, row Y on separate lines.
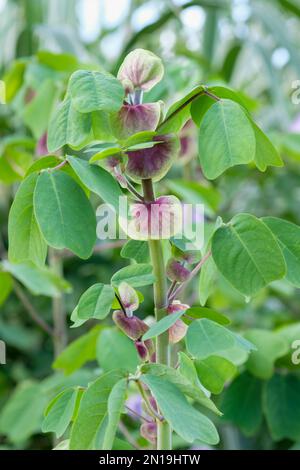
column 251, row 253
column 98, row 300
column 50, row 208
column 99, row 413
column 88, row 92
column 228, row 137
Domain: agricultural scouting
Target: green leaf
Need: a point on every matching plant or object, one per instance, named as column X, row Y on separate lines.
column 187, row 368
column 205, row 338
column 25, row 239
column 270, row 346
column 78, row 352
column 281, row 406
column 265, row 154
column 49, row 161
column 203, row 312
column 137, row 275
column 241, row 403
column 77, row 322
column 186, row 421
column 97, row 180
column 96, row 302
column 112, row 347
column 179, row 112
column 119, row 444
column 226, row 138
column 22, row 414
column 193, row 192
column 108, row 152
column 95, row 91
column 36, row 114
column 247, row 254
column 40, row 281
column 13, row 79
column 62, row 62
column 101, row 126
column 115, row 405
column 288, row 238
column 59, row 412
column 162, row 325
column 139, row 138
column 214, row 372
column 137, row 250
column 185, row 384
column 6, row 283
column 64, row 214
column 92, row 411
column 207, row 280
column 202, row 104
column 68, row 126
column 15, row 157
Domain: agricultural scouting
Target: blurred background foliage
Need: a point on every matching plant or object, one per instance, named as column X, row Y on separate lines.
column 249, row 45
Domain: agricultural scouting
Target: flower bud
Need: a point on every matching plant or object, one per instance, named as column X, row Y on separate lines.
column 141, row 69
column 178, row 330
column 41, row 146
column 156, row 221
column 153, row 162
column 113, row 162
column 135, row 118
column 145, row 349
column 177, row 306
column 190, row 257
column 176, row 271
column 128, row 297
column 133, row 327
column 149, row 432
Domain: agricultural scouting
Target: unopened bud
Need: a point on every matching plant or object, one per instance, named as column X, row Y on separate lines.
column 145, row 349
column 158, row 220
column 142, row 68
column 149, row 432
column 133, row 118
column 190, row 257
column 153, row 162
column 178, row 330
column 133, row 327
column 176, row 271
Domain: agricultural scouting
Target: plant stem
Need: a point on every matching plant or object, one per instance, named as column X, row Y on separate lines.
column 133, row 191
column 164, row 433
column 31, row 309
column 58, row 309
column 128, row 436
column 149, row 407
column 59, row 166
column 193, row 274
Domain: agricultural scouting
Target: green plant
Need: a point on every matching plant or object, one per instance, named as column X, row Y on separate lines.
column 132, row 144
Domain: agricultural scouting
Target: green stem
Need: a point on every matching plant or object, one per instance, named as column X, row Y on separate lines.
column 58, row 308
column 164, row 433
